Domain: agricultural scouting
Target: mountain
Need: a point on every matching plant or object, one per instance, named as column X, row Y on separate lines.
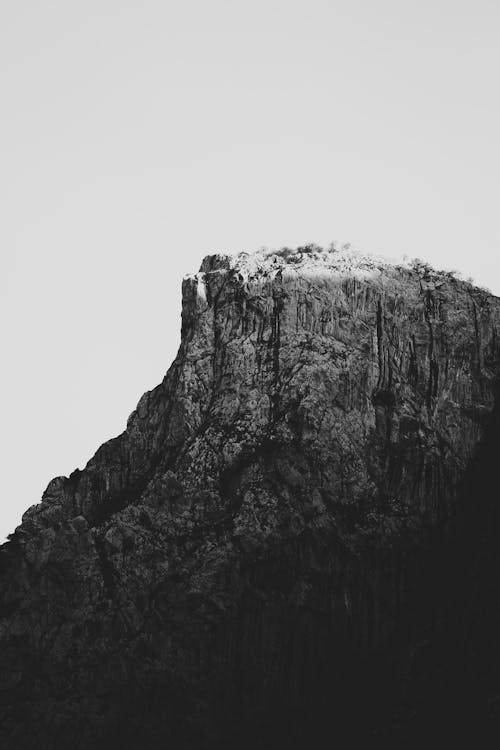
column 296, row 537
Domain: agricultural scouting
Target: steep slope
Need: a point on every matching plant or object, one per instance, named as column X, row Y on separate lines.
column 286, row 535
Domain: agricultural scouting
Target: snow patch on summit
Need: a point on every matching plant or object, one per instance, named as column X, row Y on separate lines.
column 311, row 261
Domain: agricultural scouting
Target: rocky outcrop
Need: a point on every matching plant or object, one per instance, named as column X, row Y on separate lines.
column 297, row 531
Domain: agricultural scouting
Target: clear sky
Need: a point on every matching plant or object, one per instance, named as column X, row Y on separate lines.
column 137, row 137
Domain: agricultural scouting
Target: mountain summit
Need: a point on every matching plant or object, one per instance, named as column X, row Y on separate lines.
column 296, row 536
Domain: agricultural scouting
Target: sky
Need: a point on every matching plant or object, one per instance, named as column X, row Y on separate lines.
column 137, row 137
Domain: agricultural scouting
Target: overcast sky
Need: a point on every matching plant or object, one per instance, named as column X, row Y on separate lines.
column 136, row 137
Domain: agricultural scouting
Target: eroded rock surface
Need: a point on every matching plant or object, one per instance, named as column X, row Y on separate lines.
column 297, row 531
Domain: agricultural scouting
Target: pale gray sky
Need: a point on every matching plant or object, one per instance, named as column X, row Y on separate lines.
column 138, row 136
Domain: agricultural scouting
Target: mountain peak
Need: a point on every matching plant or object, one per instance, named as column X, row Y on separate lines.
column 305, row 497
column 342, row 259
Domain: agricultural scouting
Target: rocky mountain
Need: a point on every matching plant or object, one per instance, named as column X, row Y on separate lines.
column 295, row 538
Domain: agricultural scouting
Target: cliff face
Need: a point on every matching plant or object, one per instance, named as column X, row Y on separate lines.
column 289, row 534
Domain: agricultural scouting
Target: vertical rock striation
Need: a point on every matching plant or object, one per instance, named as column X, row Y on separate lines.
column 297, row 531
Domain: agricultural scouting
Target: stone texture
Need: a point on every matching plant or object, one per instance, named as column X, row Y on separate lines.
column 296, row 533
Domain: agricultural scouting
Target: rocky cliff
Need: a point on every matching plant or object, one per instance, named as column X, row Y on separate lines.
column 296, row 535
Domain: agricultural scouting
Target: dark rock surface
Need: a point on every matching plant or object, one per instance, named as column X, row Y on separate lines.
column 296, row 537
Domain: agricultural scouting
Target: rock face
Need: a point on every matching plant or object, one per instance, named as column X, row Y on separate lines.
column 297, row 533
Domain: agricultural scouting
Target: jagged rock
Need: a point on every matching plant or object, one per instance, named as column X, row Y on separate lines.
column 280, row 541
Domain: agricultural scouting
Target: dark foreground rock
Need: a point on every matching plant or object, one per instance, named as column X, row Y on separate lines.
column 295, row 542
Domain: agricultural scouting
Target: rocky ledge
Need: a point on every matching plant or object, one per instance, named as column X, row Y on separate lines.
column 296, row 536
